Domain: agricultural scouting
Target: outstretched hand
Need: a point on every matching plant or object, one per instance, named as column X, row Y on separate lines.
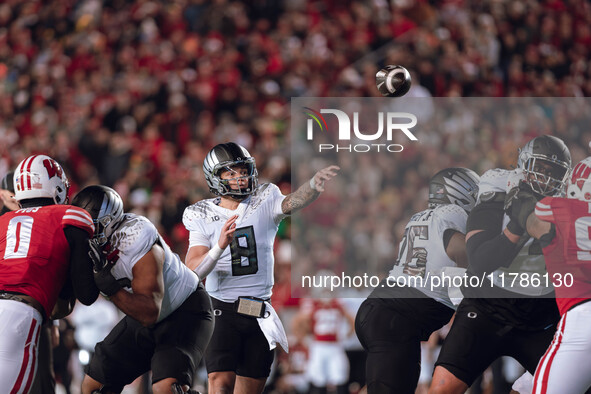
column 322, row 176
column 227, row 233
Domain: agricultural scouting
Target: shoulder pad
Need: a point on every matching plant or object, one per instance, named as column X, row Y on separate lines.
column 199, row 210
column 451, row 216
column 263, row 190
column 261, row 194
column 450, row 210
column 132, row 230
column 494, row 180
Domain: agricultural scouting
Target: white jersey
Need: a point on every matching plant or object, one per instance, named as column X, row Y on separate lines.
column 530, row 259
column 422, row 253
column 245, row 267
column 135, row 237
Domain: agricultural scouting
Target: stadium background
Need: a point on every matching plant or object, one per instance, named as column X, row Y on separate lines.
column 132, row 94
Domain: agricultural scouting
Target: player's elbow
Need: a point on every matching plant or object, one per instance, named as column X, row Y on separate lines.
column 149, row 317
column 150, row 312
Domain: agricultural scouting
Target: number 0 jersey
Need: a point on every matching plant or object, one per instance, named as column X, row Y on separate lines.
column 35, row 254
column 245, row 268
column 422, row 252
column 569, row 253
column 135, row 237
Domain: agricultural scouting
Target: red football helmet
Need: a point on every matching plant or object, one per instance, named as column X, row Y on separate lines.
column 579, row 185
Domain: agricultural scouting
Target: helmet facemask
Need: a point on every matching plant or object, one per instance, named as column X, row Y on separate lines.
column 104, row 227
column 545, row 177
column 546, row 163
column 240, row 171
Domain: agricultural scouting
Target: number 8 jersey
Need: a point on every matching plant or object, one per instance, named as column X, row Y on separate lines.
column 245, row 267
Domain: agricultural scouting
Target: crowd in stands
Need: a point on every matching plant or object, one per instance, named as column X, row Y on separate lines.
column 133, row 93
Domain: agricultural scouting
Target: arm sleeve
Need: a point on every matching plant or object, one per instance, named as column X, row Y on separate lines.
column 490, row 248
column 81, row 273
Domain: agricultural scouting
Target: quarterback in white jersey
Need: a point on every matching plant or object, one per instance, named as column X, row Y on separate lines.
column 169, row 317
column 245, row 217
column 246, row 267
column 409, row 305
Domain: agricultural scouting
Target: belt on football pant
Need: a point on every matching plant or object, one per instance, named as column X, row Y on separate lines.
column 255, row 310
column 18, row 297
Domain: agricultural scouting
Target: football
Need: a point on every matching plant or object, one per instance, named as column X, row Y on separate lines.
column 393, row 81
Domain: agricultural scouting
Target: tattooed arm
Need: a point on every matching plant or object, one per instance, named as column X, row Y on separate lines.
column 309, row 191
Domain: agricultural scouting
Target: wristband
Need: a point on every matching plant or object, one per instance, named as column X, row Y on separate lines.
column 313, row 184
column 215, row 252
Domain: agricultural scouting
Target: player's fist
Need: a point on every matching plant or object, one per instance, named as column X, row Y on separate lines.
column 103, row 260
column 520, row 202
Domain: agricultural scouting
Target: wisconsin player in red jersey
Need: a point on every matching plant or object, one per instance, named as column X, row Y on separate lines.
column 328, row 364
column 43, row 263
column 563, row 226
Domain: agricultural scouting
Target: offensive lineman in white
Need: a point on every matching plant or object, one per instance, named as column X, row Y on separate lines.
column 169, row 318
column 406, row 308
column 238, row 357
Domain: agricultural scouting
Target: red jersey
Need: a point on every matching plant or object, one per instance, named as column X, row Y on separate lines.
column 34, row 251
column 569, row 254
column 297, row 358
column 327, row 319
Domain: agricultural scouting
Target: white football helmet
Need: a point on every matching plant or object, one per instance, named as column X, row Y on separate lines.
column 579, row 184
column 224, row 157
column 39, row 176
column 455, row 185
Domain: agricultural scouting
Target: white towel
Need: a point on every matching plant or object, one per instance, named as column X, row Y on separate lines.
column 273, row 329
column 525, row 384
column 454, row 293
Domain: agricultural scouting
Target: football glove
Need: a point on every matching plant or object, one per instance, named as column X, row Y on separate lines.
column 520, row 202
column 103, row 261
